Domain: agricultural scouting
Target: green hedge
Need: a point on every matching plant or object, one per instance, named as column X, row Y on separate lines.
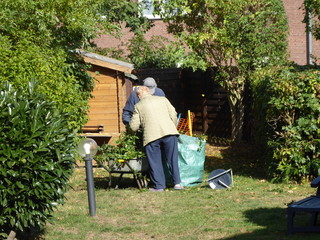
column 61, row 77
column 288, row 110
column 36, row 158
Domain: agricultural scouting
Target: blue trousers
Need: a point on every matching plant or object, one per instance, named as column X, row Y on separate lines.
column 168, row 146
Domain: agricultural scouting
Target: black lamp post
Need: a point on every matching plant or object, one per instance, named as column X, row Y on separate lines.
column 87, row 149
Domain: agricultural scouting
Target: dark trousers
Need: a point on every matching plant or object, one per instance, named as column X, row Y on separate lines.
column 168, row 146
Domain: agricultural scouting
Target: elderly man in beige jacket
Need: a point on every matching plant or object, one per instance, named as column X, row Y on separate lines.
column 157, row 118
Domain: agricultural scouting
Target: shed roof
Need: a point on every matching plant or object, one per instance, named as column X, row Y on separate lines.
column 106, row 62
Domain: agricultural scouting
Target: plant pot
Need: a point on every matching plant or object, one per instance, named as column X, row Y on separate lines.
column 128, row 166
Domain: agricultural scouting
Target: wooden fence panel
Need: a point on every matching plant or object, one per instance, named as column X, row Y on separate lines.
column 169, row 80
column 197, row 92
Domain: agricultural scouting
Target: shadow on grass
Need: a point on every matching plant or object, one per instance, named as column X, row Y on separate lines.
column 273, row 222
column 242, row 158
column 126, row 181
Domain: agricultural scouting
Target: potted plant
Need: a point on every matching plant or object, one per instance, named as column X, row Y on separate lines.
column 126, row 155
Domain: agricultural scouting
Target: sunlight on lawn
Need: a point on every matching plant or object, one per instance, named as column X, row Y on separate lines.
column 253, row 209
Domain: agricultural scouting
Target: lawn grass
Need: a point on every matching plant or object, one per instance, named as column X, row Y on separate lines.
column 253, row 209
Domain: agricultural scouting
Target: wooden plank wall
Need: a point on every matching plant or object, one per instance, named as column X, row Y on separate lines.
column 109, row 99
column 122, row 98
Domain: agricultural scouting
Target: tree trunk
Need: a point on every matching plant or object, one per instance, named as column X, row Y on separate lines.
column 235, row 98
column 237, row 121
column 235, row 85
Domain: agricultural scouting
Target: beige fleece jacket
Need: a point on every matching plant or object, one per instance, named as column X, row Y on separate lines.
column 156, row 116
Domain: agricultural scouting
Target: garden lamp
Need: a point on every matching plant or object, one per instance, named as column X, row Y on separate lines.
column 87, row 148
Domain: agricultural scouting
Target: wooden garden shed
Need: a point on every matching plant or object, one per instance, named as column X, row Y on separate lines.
column 112, row 88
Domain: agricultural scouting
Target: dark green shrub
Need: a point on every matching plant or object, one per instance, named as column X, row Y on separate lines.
column 36, row 158
column 288, row 103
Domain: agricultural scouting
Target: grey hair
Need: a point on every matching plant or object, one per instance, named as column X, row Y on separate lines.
column 142, row 90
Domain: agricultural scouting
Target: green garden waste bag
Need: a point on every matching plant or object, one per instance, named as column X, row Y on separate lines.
column 191, row 159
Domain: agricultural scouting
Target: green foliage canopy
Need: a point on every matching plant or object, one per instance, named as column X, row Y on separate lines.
column 39, row 38
column 159, row 52
column 245, row 34
column 236, row 36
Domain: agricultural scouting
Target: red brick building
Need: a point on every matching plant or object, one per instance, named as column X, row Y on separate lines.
column 297, row 34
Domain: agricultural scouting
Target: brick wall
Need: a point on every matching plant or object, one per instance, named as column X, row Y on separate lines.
column 106, row 41
column 297, row 35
